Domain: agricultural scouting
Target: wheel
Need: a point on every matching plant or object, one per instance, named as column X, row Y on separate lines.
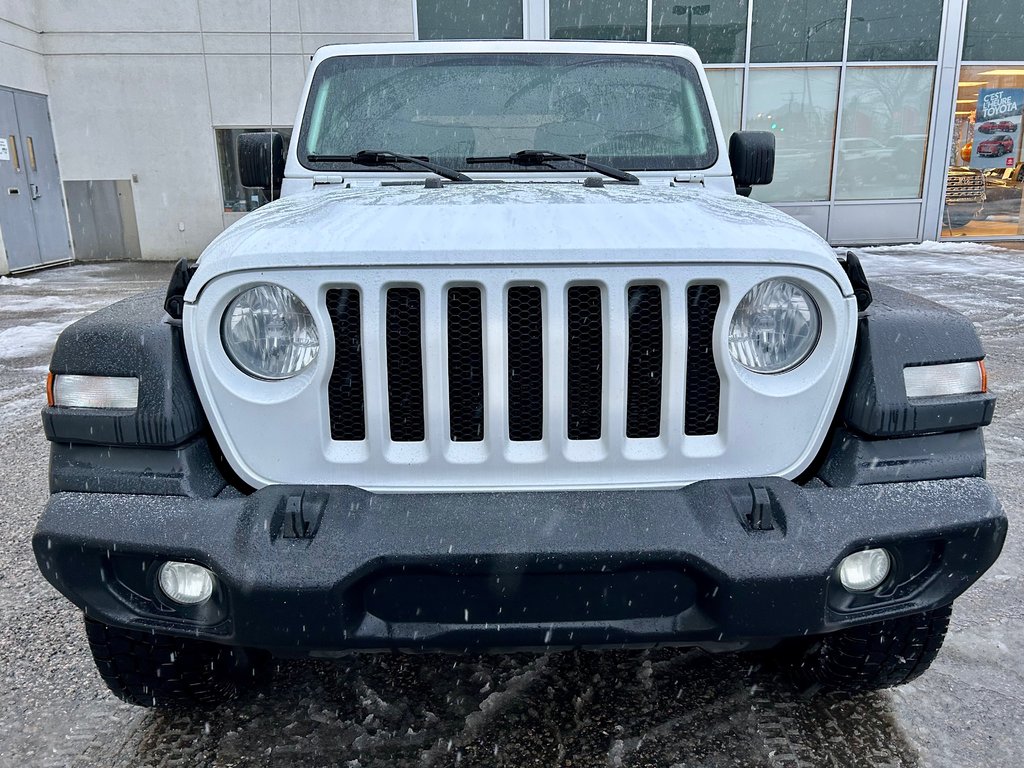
column 161, row 671
column 873, row 656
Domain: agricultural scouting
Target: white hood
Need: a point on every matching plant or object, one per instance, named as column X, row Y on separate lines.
column 512, row 224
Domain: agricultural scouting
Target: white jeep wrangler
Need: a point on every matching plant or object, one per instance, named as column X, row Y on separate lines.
column 514, row 363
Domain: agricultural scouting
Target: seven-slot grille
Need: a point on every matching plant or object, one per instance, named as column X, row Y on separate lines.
column 580, row 375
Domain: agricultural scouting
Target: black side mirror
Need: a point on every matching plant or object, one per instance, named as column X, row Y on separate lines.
column 261, row 161
column 752, row 156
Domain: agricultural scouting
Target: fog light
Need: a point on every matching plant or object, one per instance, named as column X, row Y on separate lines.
column 186, row 583
column 865, row 570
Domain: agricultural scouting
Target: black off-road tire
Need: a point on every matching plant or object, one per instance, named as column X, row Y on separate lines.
column 874, row 656
column 166, row 672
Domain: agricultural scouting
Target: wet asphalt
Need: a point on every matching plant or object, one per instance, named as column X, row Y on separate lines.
column 665, row 708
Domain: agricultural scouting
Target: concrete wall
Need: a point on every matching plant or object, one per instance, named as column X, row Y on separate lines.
column 138, row 86
column 21, row 60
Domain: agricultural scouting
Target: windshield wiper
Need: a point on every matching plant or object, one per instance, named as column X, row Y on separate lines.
column 383, row 157
column 542, row 156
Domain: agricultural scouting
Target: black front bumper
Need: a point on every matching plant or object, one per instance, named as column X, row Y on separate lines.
column 519, row 570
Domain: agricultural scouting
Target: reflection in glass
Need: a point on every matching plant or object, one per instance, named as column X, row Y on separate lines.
column 717, row 30
column 727, row 90
column 598, row 19
column 983, row 202
column 239, row 199
column 1003, row 188
column 797, row 30
column 883, row 30
column 476, row 20
column 799, row 107
column 995, row 31
column 884, row 132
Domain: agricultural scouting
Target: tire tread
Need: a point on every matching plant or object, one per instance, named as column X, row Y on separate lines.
column 153, row 670
column 879, row 655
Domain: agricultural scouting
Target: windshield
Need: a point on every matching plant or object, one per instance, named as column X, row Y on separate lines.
column 632, row 112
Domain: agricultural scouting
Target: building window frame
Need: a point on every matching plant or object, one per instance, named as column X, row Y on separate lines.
column 529, row 21
column 536, row 16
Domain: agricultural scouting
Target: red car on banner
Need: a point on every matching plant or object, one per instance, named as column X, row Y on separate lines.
column 996, row 146
column 997, row 126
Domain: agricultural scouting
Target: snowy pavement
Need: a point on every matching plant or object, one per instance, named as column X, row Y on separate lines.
column 966, row 710
column 660, row 708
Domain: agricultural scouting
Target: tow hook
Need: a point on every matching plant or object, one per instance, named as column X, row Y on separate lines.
column 302, row 515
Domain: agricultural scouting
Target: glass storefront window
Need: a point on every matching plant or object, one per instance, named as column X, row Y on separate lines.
column 727, row 90
column 883, row 30
column 995, row 31
column 884, row 132
column 239, row 199
column 598, row 19
column 985, row 182
column 797, row 30
column 462, row 20
column 799, row 107
column 717, row 30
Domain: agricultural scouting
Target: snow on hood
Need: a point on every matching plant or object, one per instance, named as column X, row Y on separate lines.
column 511, row 223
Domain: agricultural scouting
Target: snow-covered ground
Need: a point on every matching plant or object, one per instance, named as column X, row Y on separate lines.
column 929, row 249
column 965, row 710
column 21, row 341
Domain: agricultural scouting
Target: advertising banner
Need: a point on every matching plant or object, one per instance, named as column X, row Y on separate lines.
column 997, row 128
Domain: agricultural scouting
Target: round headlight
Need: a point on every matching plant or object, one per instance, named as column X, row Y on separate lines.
column 269, row 333
column 775, row 327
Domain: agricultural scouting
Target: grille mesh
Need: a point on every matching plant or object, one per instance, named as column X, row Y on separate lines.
column 405, row 365
column 525, row 364
column 345, row 388
column 703, row 387
column 584, row 362
column 465, row 365
column 643, row 389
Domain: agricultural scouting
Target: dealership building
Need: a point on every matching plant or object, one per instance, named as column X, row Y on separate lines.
column 894, row 121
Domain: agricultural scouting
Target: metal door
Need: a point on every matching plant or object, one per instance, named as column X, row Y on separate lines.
column 17, row 223
column 40, row 163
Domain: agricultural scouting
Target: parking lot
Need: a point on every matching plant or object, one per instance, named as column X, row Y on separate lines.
column 657, row 708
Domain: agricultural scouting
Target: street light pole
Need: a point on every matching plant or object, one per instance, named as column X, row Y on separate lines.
column 812, row 31
column 691, row 11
